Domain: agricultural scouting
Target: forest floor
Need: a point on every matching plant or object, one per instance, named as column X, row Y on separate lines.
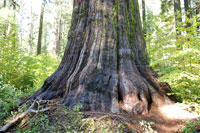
column 166, row 119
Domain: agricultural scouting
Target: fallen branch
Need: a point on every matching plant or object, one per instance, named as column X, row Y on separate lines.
column 21, row 116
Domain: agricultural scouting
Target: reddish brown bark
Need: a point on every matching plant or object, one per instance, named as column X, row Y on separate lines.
column 105, row 66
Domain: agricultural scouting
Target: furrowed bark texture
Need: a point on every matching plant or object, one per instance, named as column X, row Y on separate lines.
column 105, row 64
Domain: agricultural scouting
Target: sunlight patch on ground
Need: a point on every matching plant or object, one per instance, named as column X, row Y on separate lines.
column 176, row 112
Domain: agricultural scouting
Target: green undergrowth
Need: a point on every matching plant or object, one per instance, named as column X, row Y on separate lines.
column 10, row 98
column 18, row 66
column 25, row 72
column 191, row 127
column 21, row 78
column 64, row 121
column 176, row 57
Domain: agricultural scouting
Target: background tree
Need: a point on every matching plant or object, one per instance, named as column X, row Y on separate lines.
column 187, row 5
column 178, row 15
column 13, row 4
column 188, row 11
column 4, row 3
column 166, row 6
column 197, row 8
column 144, row 17
column 31, row 36
column 39, row 45
column 59, row 22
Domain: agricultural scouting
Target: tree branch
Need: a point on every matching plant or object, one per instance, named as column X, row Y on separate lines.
column 21, row 116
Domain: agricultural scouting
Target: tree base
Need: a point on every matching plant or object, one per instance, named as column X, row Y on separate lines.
column 102, row 94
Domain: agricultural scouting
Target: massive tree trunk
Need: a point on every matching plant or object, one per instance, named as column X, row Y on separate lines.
column 105, row 66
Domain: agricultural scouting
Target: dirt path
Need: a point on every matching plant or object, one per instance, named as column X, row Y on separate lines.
column 167, row 119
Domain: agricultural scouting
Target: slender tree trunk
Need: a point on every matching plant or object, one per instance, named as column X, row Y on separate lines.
column 187, row 8
column 4, row 3
column 21, row 33
column 144, row 17
column 187, row 12
column 45, row 40
column 13, row 4
column 5, row 27
column 178, row 15
column 39, row 45
column 30, row 41
column 197, row 13
column 104, row 66
column 58, row 35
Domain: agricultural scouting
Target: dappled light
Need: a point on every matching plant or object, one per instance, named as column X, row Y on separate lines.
column 176, row 112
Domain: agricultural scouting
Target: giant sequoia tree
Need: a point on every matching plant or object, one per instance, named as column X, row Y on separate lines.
column 105, row 64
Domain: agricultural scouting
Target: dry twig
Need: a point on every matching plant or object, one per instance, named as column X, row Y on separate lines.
column 21, row 116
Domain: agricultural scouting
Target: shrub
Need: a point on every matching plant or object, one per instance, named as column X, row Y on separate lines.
column 176, row 57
